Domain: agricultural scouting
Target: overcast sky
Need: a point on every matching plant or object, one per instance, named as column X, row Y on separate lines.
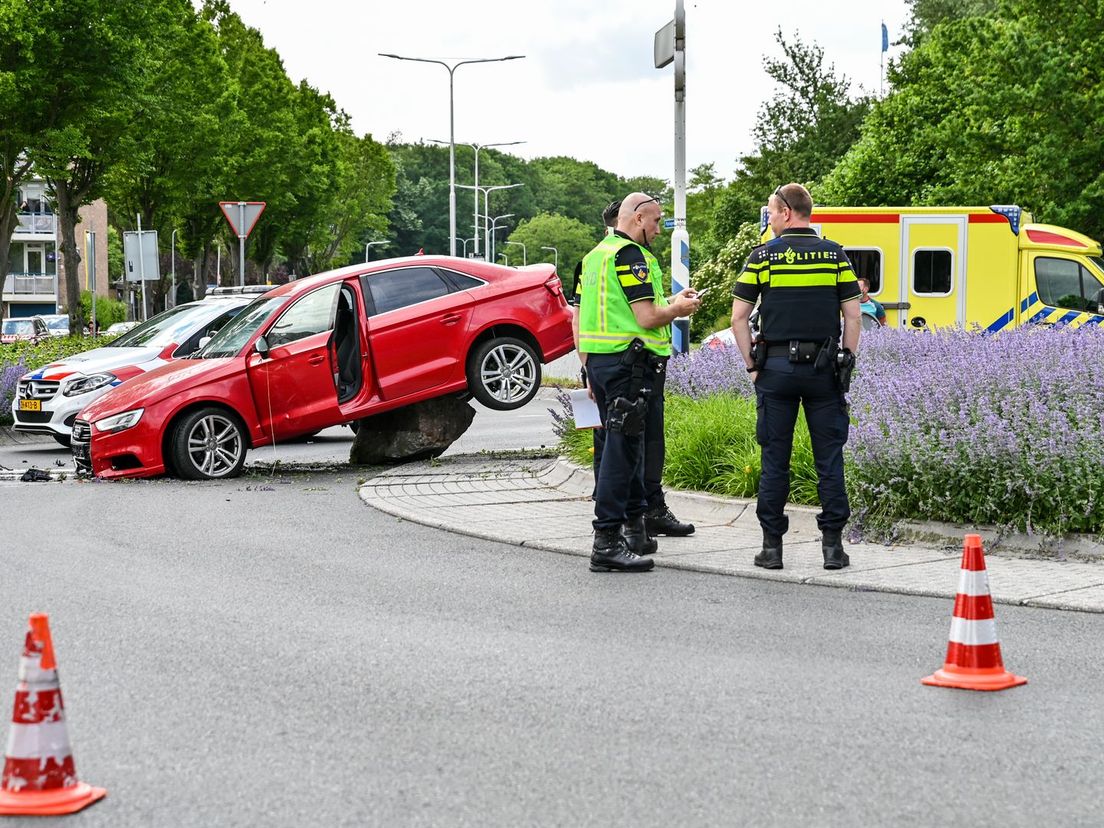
column 587, row 87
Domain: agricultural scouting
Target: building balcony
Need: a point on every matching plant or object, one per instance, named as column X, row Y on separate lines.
column 30, row 287
column 39, row 225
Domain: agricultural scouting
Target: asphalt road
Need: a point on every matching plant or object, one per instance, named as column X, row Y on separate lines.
column 528, row 427
column 271, row 651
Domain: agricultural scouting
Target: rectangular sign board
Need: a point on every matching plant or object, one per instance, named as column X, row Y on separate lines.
column 664, row 46
column 148, row 253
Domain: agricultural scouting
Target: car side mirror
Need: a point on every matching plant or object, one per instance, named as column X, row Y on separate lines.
column 203, row 340
column 261, row 347
column 1099, row 301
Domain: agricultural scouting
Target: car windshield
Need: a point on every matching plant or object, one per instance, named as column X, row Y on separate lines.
column 18, row 326
column 233, row 336
column 169, row 328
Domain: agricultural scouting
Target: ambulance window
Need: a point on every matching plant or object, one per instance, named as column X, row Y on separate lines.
column 1065, row 283
column 867, row 264
column 931, row 271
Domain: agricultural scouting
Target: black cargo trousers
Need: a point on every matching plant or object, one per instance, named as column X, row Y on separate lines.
column 619, row 492
column 779, row 389
column 655, row 447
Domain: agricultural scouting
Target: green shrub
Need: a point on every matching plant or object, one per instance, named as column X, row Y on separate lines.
column 18, row 358
column 108, row 311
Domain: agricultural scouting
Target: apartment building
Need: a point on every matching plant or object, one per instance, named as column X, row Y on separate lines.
column 34, row 280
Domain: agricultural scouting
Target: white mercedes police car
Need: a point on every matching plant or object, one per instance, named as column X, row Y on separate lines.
column 47, row 400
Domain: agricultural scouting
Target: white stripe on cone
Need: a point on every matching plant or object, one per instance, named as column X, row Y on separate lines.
column 48, row 740
column 973, row 583
column 973, row 633
column 31, row 672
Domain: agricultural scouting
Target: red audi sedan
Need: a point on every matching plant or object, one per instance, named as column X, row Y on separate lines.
column 327, row 350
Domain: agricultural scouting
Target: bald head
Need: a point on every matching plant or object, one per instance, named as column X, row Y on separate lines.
column 639, row 217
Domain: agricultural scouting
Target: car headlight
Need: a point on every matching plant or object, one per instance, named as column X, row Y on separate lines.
column 120, row 422
column 82, row 385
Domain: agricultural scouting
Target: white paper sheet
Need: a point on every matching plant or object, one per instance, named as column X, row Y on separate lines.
column 584, row 410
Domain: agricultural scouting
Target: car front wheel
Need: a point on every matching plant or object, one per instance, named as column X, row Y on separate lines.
column 208, row 444
column 504, row 373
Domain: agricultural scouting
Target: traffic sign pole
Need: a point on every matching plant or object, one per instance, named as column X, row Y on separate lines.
column 242, row 220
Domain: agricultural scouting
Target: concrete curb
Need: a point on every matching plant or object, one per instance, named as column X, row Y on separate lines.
column 545, row 504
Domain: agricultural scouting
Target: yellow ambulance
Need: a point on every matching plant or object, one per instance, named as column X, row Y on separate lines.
column 987, row 266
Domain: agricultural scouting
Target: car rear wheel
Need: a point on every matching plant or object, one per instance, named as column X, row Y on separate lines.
column 208, row 444
column 504, row 373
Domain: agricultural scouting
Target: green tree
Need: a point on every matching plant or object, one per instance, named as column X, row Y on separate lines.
column 22, row 87
column 1004, row 108
column 571, row 238
column 87, row 112
column 800, row 134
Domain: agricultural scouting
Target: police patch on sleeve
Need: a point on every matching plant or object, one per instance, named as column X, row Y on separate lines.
column 640, row 271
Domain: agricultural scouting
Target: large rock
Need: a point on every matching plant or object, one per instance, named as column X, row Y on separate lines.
column 414, row 432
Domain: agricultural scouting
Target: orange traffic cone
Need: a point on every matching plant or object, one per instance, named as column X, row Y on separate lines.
column 973, row 653
column 39, row 775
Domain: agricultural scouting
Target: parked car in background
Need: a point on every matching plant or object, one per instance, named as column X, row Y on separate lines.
column 25, row 329
column 57, row 323
column 119, row 328
column 331, row 349
column 47, row 400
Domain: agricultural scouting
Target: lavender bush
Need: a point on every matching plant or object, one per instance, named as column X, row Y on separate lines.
column 965, row 427
column 9, row 376
column 955, row 426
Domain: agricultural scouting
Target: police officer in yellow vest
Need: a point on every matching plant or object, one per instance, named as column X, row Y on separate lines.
column 803, row 283
column 625, row 333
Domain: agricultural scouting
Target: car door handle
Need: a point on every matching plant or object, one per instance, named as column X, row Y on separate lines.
column 451, row 318
column 317, row 359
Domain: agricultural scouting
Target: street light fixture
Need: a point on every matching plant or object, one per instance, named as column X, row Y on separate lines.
column 452, row 137
column 486, row 207
column 522, row 246
column 475, row 195
column 555, row 255
column 464, row 242
column 494, row 226
column 368, row 247
column 505, row 259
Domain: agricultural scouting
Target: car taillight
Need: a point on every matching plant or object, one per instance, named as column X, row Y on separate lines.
column 554, row 286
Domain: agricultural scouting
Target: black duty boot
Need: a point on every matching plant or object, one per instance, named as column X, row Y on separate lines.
column 610, row 554
column 831, row 543
column 661, row 521
column 637, row 538
column 771, row 556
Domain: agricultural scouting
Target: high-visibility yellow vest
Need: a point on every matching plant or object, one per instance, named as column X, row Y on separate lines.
column 606, row 321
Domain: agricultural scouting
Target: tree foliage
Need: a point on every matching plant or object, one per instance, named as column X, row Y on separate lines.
column 1003, row 108
column 572, row 239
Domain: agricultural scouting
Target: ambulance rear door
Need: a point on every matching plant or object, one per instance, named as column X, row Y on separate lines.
column 932, row 269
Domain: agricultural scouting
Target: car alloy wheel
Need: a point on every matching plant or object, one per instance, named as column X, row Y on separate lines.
column 506, row 373
column 209, row 443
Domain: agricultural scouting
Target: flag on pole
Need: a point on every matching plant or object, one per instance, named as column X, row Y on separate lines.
column 885, row 38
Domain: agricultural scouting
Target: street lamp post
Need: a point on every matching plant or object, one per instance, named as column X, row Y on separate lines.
column 505, row 259
column 487, row 211
column 452, row 136
column 476, row 188
column 524, row 260
column 494, row 226
column 555, row 257
column 172, row 256
column 368, row 247
column 464, row 242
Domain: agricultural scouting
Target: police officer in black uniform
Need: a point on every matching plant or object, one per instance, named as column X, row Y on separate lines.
column 803, row 282
column 658, row 519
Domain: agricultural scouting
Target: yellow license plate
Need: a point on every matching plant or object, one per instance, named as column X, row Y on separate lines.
column 30, row 405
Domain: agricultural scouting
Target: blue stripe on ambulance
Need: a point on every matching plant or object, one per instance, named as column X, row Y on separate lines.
column 1001, row 322
column 1028, row 302
column 1068, row 317
column 1041, row 315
